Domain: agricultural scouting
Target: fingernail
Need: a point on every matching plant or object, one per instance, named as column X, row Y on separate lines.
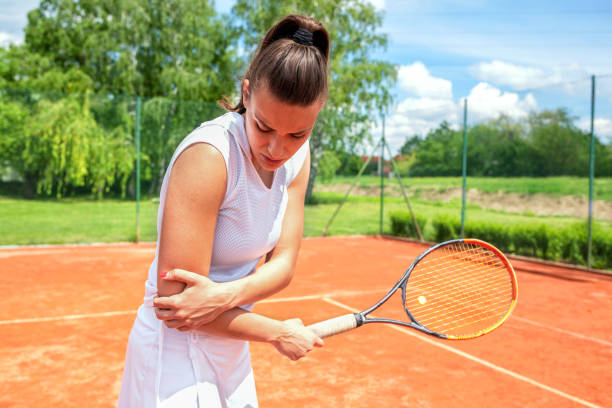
column 163, row 274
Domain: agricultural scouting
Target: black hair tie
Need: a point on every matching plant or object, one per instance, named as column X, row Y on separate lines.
column 303, row 37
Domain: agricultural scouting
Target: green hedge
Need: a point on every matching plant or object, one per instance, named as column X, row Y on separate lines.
column 565, row 244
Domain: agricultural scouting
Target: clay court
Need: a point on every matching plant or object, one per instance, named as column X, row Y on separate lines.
column 67, row 312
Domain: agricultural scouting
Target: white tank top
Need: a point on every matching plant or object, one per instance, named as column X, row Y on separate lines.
column 251, row 214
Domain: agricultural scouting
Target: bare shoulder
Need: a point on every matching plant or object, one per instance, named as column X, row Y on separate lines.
column 198, row 171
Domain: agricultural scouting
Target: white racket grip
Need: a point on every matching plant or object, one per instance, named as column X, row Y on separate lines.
column 335, row 325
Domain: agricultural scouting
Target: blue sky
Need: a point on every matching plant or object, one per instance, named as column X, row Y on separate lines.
column 504, row 56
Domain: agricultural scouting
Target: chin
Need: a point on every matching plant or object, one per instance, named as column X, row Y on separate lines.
column 270, row 164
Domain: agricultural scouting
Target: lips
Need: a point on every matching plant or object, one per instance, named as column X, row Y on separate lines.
column 270, row 161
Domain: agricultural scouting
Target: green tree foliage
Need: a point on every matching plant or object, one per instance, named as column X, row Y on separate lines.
column 559, row 147
column 63, row 148
column 350, row 163
column 546, row 143
column 439, row 154
column 165, row 122
column 410, row 145
column 177, row 48
column 328, row 166
column 360, row 86
column 164, row 51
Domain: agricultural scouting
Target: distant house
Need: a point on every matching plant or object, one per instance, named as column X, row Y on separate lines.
column 373, row 166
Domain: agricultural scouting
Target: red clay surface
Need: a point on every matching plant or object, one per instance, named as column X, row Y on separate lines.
column 67, row 312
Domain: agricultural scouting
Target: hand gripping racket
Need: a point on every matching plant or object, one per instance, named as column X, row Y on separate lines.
column 458, row 289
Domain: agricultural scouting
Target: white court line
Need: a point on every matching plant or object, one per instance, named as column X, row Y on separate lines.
column 289, row 299
column 325, row 295
column 127, row 312
column 528, row 380
column 571, row 333
column 67, row 317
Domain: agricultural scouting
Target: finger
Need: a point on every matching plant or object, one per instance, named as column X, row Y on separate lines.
column 164, row 302
column 182, row 275
column 164, row 314
column 174, row 324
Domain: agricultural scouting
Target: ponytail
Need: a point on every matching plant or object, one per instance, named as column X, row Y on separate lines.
column 292, row 61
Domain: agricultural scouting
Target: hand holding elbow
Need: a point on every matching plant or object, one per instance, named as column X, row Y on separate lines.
column 200, row 302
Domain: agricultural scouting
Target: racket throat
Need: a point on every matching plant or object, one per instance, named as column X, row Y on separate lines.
column 359, row 319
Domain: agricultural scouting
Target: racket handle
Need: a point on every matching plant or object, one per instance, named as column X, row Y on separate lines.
column 335, row 325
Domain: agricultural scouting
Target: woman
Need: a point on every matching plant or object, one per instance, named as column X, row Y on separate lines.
column 233, row 193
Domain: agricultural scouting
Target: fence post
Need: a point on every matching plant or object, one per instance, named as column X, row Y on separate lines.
column 138, row 102
column 591, row 174
column 464, row 167
column 382, row 176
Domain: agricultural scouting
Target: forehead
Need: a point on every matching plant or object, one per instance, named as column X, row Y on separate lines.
column 281, row 116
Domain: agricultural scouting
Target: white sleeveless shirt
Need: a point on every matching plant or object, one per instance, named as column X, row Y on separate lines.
column 214, row 371
column 251, row 214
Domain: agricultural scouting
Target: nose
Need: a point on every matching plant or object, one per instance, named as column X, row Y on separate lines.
column 275, row 147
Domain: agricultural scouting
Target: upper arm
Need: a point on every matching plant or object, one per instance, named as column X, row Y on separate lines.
column 290, row 239
column 196, row 189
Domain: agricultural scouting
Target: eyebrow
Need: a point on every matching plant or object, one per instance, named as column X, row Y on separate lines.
column 268, row 127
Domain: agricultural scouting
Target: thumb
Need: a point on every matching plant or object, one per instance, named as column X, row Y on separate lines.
column 319, row 342
column 295, row 320
column 181, row 275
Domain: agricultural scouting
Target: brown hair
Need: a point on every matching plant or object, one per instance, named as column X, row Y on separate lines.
column 295, row 72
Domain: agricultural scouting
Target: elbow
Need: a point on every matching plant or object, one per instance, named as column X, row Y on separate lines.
column 287, row 276
column 168, row 287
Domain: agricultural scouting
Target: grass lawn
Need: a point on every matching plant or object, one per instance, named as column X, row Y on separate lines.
column 65, row 221
column 556, row 186
column 24, row 222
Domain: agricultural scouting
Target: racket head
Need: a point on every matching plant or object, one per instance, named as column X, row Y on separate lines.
column 460, row 289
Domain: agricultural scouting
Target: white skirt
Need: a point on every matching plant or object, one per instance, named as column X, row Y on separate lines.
column 168, row 368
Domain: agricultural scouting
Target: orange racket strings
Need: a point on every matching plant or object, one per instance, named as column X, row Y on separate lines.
column 460, row 290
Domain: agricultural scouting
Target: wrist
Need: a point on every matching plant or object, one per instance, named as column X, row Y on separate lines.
column 232, row 291
column 280, row 332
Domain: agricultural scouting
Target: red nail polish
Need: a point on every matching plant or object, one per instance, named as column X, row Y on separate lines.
column 163, row 274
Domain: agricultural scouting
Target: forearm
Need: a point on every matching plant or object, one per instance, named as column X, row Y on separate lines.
column 243, row 325
column 267, row 280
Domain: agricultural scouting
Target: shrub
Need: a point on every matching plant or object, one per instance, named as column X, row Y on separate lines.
column 403, row 226
column 568, row 244
column 446, row 227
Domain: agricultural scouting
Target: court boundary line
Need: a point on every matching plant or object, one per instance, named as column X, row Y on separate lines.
column 468, row 356
column 286, row 299
column 570, row 333
column 127, row 312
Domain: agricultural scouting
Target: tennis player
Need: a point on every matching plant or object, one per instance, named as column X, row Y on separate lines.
column 232, row 194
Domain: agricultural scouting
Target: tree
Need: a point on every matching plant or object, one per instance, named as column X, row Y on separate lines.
column 439, row 154
column 63, row 148
column 410, row 145
column 176, row 48
column 560, row 147
column 359, row 86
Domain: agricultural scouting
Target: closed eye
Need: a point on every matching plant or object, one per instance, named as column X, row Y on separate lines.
column 260, row 129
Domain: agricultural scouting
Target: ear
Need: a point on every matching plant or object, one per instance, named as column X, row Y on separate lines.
column 246, row 86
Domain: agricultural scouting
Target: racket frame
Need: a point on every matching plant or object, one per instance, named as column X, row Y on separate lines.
column 361, row 317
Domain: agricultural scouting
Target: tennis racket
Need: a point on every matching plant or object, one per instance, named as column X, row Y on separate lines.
column 457, row 289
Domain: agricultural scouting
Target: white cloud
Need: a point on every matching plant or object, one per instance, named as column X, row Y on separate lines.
column 378, row 4
column 603, row 128
column 428, row 109
column 520, row 77
column 487, row 102
column 6, row 39
column 417, row 80
column 417, row 116
column 433, row 103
